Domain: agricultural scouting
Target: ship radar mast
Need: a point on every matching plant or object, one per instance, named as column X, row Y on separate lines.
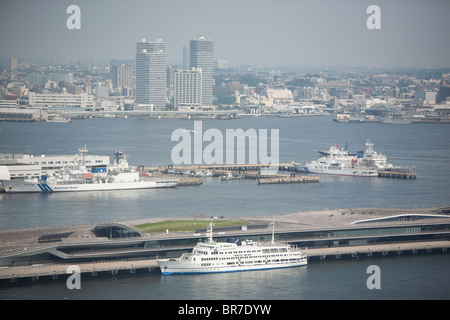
column 82, row 153
column 273, row 231
column 210, row 232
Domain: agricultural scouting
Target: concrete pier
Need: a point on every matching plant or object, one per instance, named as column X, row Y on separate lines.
column 283, row 180
column 322, row 235
column 57, row 271
column 113, row 268
column 381, row 249
column 397, row 175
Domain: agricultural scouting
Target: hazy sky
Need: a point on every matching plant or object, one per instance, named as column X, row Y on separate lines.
column 299, row 32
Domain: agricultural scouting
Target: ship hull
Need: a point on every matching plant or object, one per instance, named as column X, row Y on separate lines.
column 172, row 267
column 13, row 186
column 339, row 172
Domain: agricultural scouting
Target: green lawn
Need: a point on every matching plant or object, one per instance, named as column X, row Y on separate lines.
column 185, row 225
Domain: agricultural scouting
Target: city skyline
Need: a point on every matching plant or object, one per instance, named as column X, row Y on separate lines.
column 302, row 33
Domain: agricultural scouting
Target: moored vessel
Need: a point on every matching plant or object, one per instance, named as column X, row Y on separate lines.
column 59, row 118
column 337, row 161
column 99, row 178
column 232, row 256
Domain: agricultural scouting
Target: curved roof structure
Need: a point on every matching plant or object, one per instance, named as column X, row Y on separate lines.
column 115, row 230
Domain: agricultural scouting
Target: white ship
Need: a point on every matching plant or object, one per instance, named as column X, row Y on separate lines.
column 101, row 178
column 373, row 159
column 337, row 161
column 326, row 166
column 59, row 118
column 232, row 256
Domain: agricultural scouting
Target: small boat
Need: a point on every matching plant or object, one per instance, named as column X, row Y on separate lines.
column 227, row 176
column 59, row 118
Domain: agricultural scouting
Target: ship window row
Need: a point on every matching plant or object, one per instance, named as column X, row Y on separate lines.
column 235, row 252
column 232, row 263
column 254, row 257
column 65, row 162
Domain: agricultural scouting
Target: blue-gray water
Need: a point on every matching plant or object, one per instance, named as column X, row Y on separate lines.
column 147, row 142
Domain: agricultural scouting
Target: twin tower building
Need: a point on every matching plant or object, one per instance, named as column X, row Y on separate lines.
column 192, row 86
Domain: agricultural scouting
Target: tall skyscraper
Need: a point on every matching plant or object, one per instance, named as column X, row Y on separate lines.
column 188, row 89
column 186, row 60
column 151, row 73
column 121, row 76
column 201, row 56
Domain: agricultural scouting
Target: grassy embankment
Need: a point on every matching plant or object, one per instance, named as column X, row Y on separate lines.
column 185, row 225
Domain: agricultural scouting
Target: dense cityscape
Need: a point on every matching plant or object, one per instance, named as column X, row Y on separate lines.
column 200, row 85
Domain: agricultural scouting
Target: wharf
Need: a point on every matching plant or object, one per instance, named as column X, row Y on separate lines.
column 113, row 268
column 292, row 179
column 322, row 235
column 397, row 175
column 257, row 171
column 57, row 270
column 378, row 249
column 190, row 181
column 231, row 167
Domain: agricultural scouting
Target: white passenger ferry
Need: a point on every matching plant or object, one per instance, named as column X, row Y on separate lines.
column 234, row 255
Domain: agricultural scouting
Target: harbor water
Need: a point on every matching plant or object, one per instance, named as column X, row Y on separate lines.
column 147, row 142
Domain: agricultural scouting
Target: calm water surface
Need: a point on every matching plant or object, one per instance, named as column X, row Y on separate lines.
column 148, row 142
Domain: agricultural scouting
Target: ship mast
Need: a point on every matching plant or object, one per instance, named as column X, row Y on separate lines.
column 82, row 153
column 210, row 232
column 273, row 232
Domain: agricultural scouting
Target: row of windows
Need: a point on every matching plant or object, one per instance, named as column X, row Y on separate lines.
column 271, row 250
column 65, row 162
column 250, row 262
column 263, row 256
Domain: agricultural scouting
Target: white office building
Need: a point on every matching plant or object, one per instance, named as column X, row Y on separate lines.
column 151, row 63
column 188, row 89
column 33, row 166
column 201, row 56
column 48, row 100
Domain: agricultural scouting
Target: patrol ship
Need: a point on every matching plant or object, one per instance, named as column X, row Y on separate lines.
column 232, row 256
column 117, row 177
column 337, row 161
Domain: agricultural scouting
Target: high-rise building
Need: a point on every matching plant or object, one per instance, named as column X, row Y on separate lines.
column 221, row 64
column 13, row 64
column 186, row 60
column 151, row 73
column 188, row 89
column 201, row 56
column 121, row 76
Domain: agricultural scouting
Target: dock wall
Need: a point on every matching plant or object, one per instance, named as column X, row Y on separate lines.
column 113, row 268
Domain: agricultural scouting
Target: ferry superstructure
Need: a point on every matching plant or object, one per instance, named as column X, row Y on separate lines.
column 233, row 256
column 99, row 178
